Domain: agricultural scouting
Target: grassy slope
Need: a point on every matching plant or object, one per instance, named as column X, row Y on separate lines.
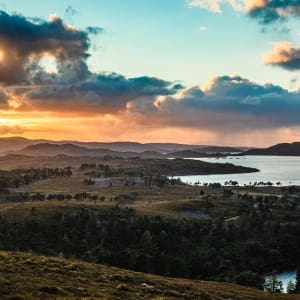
column 27, row 276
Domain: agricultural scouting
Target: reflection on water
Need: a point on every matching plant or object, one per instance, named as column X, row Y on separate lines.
column 283, row 169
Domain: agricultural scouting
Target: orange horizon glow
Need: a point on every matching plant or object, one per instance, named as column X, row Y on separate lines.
column 110, row 128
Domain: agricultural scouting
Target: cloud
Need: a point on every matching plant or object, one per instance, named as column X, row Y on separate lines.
column 4, row 97
column 215, row 5
column 106, row 92
column 284, row 55
column 70, row 12
column 265, row 11
column 203, row 28
column 24, row 41
column 94, row 30
column 11, row 130
column 270, row 11
column 228, row 103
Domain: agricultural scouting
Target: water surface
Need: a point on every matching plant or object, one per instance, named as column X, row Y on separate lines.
column 283, row 169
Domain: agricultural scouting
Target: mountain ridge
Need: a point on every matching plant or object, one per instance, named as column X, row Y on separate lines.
column 282, row 149
column 9, row 144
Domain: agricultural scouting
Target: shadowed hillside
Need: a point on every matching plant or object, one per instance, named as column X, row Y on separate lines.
column 27, row 276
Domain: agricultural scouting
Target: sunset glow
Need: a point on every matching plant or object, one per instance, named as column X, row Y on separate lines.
column 54, row 83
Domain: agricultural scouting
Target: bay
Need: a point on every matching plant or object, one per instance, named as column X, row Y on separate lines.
column 283, row 169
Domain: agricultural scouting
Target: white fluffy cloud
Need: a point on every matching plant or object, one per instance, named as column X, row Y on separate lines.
column 284, row 55
column 215, row 5
column 265, row 11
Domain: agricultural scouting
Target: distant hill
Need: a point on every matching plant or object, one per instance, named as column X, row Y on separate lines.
column 47, row 149
column 118, row 146
column 28, row 276
column 172, row 147
column 186, row 154
column 18, row 143
column 283, row 149
column 15, row 143
column 218, row 149
column 193, row 154
column 12, row 144
column 209, row 151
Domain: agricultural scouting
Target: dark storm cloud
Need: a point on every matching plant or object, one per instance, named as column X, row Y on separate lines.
column 23, row 41
column 270, row 11
column 106, row 92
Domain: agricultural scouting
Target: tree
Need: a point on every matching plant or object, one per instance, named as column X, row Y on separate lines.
column 146, row 240
column 297, row 287
column 273, row 285
column 227, row 193
column 249, row 278
column 291, row 286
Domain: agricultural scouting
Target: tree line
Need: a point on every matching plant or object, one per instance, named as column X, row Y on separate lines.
column 19, row 177
column 210, row 249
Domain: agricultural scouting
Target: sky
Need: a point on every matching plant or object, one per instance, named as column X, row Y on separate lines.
column 220, row 72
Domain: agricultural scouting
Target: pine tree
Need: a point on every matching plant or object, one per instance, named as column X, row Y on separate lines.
column 273, row 285
column 297, row 288
column 291, row 287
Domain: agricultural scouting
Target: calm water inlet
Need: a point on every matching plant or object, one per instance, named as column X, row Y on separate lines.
column 283, row 169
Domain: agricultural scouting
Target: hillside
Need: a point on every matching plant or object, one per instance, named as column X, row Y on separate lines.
column 283, row 149
column 27, row 276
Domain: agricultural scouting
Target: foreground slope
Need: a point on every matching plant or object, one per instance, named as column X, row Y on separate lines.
column 27, row 276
